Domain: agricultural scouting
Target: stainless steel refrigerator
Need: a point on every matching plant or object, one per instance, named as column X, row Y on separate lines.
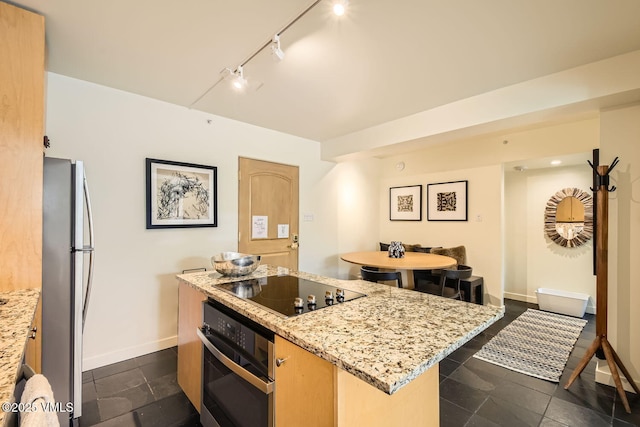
column 67, row 270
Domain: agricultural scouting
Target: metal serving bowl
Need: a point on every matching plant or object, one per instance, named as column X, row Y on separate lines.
column 235, row 264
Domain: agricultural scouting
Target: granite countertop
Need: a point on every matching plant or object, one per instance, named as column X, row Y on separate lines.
column 16, row 316
column 387, row 338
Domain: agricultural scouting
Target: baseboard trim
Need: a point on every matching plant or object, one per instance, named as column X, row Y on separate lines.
column 591, row 309
column 128, row 353
column 521, row 297
column 603, row 376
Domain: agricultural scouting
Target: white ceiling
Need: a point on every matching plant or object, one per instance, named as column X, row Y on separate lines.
column 577, row 159
column 384, row 60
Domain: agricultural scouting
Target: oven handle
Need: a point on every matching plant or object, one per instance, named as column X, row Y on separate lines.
column 264, row 386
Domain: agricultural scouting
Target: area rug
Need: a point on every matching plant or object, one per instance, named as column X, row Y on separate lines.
column 536, row 343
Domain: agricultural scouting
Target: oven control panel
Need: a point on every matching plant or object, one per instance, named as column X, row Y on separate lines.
column 231, row 330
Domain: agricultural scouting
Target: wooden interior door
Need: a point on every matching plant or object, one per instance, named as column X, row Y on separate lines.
column 268, row 211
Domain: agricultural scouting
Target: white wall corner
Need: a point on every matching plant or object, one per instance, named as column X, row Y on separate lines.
column 603, row 376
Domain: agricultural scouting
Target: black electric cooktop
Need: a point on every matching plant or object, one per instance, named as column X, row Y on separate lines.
column 279, row 294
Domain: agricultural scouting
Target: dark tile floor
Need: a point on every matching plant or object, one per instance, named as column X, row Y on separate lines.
column 477, row 393
column 137, row 392
column 144, row 391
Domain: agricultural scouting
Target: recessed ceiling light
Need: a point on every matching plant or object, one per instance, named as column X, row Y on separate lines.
column 556, row 162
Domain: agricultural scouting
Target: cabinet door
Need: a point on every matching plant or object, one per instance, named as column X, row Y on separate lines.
column 33, row 351
column 21, row 133
column 312, row 392
column 189, row 345
column 415, row 404
column 304, row 393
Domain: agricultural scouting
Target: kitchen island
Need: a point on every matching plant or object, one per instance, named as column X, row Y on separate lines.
column 388, row 339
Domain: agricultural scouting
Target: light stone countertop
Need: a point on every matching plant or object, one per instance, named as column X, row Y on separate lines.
column 16, row 317
column 387, row 338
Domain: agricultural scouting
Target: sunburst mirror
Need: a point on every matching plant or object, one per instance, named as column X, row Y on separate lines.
column 568, row 217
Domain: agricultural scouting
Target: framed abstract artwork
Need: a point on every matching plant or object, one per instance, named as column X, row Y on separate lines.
column 405, row 203
column 447, row 201
column 181, row 195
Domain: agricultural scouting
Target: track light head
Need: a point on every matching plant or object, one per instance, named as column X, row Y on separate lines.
column 239, row 82
column 340, row 7
column 276, row 52
column 236, row 77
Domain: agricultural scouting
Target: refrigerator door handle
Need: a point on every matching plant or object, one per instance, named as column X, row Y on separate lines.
column 89, row 248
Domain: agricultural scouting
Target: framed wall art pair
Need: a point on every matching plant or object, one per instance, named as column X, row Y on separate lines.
column 446, row 201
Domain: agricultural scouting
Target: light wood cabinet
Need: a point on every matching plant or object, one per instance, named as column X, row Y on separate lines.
column 189, row 345
column 312, row 392
column 21, row 148
column 22, row 53
column 304, row 393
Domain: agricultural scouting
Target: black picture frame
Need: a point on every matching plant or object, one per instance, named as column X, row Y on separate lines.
column 181, row 195
column 447, row 201
column 405, row 203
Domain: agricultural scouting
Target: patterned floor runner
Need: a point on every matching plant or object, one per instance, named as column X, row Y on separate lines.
column 537, row 343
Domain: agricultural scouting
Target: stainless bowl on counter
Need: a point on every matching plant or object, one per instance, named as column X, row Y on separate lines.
column 235, row 264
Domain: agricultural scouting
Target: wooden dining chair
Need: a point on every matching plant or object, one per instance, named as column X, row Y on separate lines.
column 377, row 276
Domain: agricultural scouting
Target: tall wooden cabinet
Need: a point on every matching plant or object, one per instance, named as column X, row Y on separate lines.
column 22, row 56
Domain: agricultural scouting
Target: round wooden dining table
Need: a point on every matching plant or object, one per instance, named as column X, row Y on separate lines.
column 411, row 261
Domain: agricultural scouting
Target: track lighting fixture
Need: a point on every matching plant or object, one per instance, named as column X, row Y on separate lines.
column 236, row 78
column 276, row 52
column 239, row 82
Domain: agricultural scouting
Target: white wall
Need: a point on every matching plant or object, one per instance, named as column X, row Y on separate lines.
column 484, row 200
column 532, row 259
column 620, row 136
column 480, row 161
column 356, row 185
column 133, row 309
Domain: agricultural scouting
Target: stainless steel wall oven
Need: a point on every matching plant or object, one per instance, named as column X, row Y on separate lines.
column 238, row 363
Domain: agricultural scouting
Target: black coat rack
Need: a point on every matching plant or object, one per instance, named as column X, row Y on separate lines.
column 601, row 344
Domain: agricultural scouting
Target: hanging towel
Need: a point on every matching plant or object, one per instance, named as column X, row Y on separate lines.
column 37, row 392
